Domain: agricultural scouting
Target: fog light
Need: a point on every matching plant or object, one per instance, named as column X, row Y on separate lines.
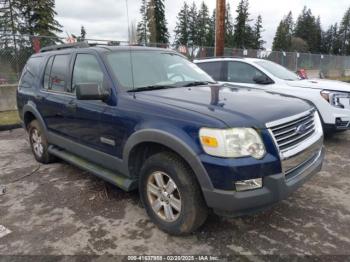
column 250, row 184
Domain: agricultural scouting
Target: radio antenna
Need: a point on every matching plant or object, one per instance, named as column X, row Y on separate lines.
column 130, row 52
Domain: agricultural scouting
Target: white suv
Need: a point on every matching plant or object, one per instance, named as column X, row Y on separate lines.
column 332, row 98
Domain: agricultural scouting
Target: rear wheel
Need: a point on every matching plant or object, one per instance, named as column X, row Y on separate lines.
column 38, row 143
column 171, row 194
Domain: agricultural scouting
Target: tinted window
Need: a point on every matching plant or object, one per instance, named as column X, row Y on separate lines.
column 47, row 73
column 58, row 76
column 214, row 69
column 86, row 71
column 242, row 73
column 30, row 72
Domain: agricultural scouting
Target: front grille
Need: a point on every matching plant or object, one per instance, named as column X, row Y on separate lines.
column 293, row 132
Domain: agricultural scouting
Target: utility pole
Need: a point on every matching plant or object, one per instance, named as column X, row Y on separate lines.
column 220, row 27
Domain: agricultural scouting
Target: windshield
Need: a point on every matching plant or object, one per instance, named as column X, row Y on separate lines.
column 155, row 68
column 278, row 70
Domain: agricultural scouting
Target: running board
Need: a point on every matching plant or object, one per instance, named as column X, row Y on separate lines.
column 99, row 171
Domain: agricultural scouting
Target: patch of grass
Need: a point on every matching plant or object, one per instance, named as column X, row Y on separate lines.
column 9, row 118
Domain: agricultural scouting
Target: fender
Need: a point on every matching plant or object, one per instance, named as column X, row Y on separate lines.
column 31, row 107
column 176, row 144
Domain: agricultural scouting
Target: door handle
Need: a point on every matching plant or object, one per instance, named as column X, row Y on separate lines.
column 39, row 97
column 72, row 106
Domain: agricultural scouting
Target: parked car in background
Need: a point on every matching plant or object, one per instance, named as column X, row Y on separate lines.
column 149, row 119
column 331, row 98
column 3, row 81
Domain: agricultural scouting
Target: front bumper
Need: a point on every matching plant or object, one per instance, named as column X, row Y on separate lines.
column 275, row 188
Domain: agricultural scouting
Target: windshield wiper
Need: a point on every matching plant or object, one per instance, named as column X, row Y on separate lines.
column 151, row 87
column 198, row 83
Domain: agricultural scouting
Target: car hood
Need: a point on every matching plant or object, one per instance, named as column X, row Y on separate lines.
column 321, row 84
column 237, row 107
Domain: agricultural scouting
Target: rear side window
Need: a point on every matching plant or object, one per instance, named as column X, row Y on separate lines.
column 31, row 72
column 87, row 70
column 55, row 78
column 47, row 73
column 214, row 69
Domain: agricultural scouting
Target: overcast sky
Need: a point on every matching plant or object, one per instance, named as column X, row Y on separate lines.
column 106, row 19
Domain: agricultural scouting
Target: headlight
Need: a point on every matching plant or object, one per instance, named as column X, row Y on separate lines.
column 336, row 99
column 234, row 142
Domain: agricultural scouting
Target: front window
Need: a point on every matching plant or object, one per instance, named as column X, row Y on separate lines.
column 278, row 70
column 154, row 68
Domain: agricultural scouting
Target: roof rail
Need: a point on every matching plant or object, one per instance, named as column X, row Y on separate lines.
column 64, row 46
column 218, row 57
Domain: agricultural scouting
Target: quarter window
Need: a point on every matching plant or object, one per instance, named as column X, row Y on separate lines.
column 87, row 71
column 242, row 73
column 47, row 77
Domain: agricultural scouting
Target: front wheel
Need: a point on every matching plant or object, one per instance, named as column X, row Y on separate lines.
column 171, row 194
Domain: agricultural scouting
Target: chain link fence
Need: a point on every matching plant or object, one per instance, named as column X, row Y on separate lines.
column 12, row 60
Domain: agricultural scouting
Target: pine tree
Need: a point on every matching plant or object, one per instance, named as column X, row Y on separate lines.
column 284, row 33
column 204, row 24
column 308, row 30
column 156, row 22
column 181, row 29
column 344, row 32
column 39, row 20
column 228, row 27
column 82, row 34
column 142, row 30
column 9, row 24
column 258, row 29
column 210, row 38
column 242, row 37
column 192, row 25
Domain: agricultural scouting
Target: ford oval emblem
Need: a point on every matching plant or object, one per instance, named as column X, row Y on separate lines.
column 300, row 130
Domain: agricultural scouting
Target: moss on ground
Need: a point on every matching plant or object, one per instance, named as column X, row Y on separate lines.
column 9, row 118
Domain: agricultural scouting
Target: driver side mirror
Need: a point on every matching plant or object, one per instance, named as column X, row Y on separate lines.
column 91, row 92
column 262, row 80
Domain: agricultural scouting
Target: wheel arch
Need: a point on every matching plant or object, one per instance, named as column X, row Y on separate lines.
column 185, row 148
column 30, row 113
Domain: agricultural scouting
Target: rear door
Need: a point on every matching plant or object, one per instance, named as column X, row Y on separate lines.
column 54, row 94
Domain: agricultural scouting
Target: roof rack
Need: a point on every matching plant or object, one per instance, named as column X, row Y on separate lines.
column 64, row 46
column 216, row 57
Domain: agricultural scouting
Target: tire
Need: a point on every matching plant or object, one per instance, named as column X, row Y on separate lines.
column 192, row 211
column 38, row 143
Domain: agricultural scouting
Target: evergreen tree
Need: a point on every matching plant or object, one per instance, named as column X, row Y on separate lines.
column 308, row 30
column 344, row 33
column 204, row 24
column 192, row 25
column 228, row 27
column 9, row 24
column 181, row 29
column 258, row 42
column 39, row 20
column 284, row 33
column 142, row 30
column 210, row 38
column 242, row 37
column 156, row 22
column 82, row 34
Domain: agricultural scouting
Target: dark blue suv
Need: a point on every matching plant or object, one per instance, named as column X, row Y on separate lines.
column 148, row 119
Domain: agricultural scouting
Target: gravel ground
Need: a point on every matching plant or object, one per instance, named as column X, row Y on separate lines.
column 58, row 209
